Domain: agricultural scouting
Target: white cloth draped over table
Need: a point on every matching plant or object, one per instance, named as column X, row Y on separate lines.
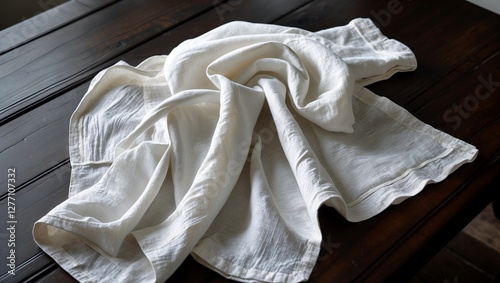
column 226, row 148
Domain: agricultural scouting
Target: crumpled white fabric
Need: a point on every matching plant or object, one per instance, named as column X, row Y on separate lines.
column 226, row 148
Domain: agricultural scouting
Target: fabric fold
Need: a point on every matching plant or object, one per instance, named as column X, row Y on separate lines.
column 226, row 148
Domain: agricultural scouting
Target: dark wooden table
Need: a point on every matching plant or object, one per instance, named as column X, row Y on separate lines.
column 46, row 64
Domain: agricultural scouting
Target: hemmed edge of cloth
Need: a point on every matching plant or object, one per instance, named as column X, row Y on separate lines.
column 380, row 43
column 413, row 180
column 205, row 256
column 79, row 270
column 62, row 258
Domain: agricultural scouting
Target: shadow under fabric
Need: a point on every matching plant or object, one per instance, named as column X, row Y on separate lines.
column 226, row 148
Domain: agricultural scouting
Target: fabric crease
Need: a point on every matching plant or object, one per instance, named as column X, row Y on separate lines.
column 226, row 148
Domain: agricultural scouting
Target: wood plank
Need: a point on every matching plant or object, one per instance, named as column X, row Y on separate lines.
column 244, row 11
column 485, row 228
column 473, row 256
column 477, row 253
column 450, row 79
column 32, row 202
column 53, row 274
column 54, row 15
column 447, row 267
column 27, row 271
column 469, row 103
column 38, row 140
column 47, row 67
column 452, row 31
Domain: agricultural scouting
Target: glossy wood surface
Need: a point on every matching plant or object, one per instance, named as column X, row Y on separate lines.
column 456, row 89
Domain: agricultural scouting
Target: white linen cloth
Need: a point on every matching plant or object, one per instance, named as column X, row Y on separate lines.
column 226, row 148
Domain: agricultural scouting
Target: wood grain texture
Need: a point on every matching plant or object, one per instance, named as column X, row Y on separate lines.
column 455, row 269
column 55, row 15
column 456, row 45
column 477, row 253
column 464, row 259
column 47, row 67
column 486, row 228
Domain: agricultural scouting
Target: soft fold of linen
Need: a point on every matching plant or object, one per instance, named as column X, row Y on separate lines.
column 226, row 148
